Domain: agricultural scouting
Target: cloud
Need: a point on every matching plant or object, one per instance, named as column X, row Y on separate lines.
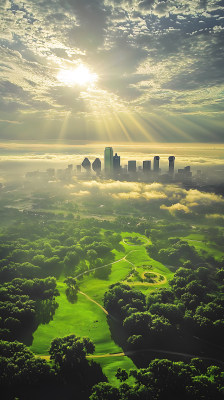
column 214, row 216
column 153, row 195
column 112, row 186
column 81, row 193
column 10, row 121
column 175, row 208
column 172, row 198
column 124, row 190
column 126, row 196
column 154, row 58
column 195, row 197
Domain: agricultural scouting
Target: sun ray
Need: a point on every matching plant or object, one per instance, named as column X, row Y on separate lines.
column 122, row 126
column 64, row 125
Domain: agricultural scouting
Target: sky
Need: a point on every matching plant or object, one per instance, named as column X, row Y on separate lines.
column 103, row 70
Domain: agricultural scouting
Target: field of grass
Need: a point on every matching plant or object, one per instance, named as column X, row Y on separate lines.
column 202, row 245
column 86, row 318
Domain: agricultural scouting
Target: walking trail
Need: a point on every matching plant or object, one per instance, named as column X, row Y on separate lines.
column 134, row 352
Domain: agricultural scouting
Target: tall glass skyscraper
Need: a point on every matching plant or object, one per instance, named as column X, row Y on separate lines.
column 156, row 164
column 116, row 163
column 171, row 164
column 108, row 159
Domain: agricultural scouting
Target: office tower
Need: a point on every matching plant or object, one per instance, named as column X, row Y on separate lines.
column 96, row 165
column 146, row 166
column 171, row 164
column 116, row 163
column 78, row 169
column 86, row 164
column 156, row 163
column 184, row 175
column 50, row 173
column 132, row 166
column 68, row 172
column 108, row 159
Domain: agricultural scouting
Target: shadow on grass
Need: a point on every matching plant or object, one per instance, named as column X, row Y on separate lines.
column 103, row 273
column 45, row 311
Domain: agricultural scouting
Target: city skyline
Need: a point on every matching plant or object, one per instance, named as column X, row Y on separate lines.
column 113, row 71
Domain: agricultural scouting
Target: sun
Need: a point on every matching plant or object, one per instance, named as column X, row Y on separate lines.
column 80, row 76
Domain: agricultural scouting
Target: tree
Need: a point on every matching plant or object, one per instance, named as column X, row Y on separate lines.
column 70, row 351
column 104, row 391
column 71, row 259
column 72, row 288
column 91, row 255
column 121, row 374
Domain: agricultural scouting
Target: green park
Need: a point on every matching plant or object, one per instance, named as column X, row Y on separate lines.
column 86, row 317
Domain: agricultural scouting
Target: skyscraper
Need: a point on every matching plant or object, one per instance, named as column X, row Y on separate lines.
column 156, row 164
column 146, row 166
column 132, row 166
column 116, row 163
column 171, row 164
column 86, row 164
column 96, row 165
column 108, row 160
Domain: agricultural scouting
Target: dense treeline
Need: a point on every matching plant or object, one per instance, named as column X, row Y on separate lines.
column 20, row 303
column 71, row 246
column 69, row 375
column 164, row 380
column 194, row 306
column 35, row 252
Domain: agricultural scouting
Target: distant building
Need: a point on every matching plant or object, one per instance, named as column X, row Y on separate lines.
column 184, row 175
column 132, row 166
column 108, row 160
column 78, row 169
column 116, row 163
column 146, row 166
column 171, row 164
column 156, row 164
column 50, row 173
column 96, row 165
column 86, row 164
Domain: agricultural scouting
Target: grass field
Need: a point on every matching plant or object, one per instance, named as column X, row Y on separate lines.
column 202, row 245
column 86, row 318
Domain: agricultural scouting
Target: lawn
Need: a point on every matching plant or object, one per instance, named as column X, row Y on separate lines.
column 85, row 318
column 201, row 245
column 82, row 318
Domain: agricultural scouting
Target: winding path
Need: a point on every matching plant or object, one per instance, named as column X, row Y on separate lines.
column 151, row 350
column 131, row 352
column 130, row 283
column 134, row 352
column 93, row 301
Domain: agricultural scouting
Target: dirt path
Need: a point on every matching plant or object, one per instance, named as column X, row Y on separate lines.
column 93, row 301
column 160, row 351
column 102, row 266
column 134, row 352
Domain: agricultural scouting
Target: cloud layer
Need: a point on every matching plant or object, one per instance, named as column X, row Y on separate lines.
column 171, row 198
column 159, row 63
